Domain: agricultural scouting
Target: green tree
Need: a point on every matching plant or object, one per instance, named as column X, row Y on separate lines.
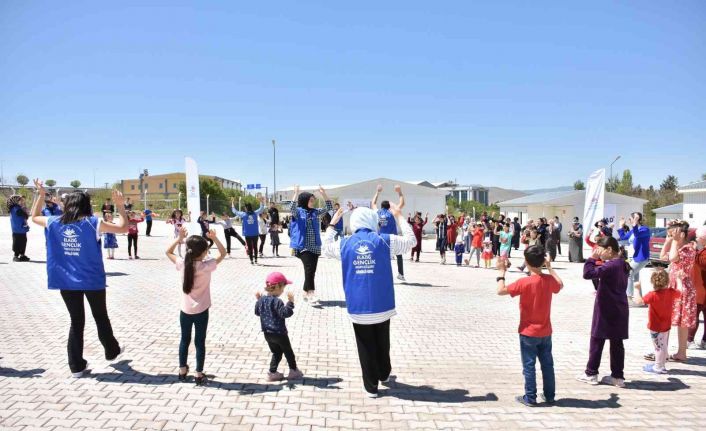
column 703, row 177
column 75, row 184
column 50, row 183
column 22, row 180
column 579, row 185
column 669, row 184
column 625, row 186
column 612, row 184
column 219, row 199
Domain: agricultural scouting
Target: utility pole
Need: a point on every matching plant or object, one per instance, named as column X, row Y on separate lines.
column 274, row 171
column 611, row 174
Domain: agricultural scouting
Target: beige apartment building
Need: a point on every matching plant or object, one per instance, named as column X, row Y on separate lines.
column 165, row 186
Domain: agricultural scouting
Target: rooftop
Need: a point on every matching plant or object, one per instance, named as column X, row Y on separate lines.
column 676, row 209
column 699, row 185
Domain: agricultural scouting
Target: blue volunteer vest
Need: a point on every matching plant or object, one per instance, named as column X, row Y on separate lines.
column 74, row 256
column 250, row 224
column 297, row 228
column 339, row 225
column 367, row 273
column 387, row 222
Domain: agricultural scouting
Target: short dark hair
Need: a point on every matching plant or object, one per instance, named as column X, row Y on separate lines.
column 385, row 204
column 535, row 256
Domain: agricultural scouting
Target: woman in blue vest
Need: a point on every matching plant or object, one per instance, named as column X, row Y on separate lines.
column 387, row 222
column 19, row 226
column 75, row 268
column 369, row 286
column 306, row 237
column 250, row 227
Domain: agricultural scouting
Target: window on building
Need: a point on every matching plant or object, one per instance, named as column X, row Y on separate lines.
column 174, row 185
column 146, row 186
column 691, row 215
column 464, row 196
column 161, row 186
column 132, row 187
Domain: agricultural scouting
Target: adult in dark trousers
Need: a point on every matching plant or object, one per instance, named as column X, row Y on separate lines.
column 228, row 230
column 558, row 227
column 306, row 237
column 18, row 223
column 369, row 286
column 516, row 233
column 148, row 213
column 250, row 227
column 273, row 213
column 108, row 207
column 75, row 268
column 204, row 223
column 387, row 223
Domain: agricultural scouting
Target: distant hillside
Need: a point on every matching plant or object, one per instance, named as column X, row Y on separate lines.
column 498, row 194
column 554, row 189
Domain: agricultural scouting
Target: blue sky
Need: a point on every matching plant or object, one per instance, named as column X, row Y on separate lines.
column 512, row 94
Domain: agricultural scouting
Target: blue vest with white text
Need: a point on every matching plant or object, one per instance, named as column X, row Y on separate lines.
column 367, row 273
column 250, row 224
column 298, row 228
column 387, row 222
column 74, row 256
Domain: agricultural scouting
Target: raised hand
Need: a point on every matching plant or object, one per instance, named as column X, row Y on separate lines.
column 258, row 295
column 39, row 184
column 296, row 189
column 118, row 199
column 183, row 233
column 398, row 189
column 290, row 297
column 321, row 190
column 211, row 234
column 395, row 210
column 379, row 188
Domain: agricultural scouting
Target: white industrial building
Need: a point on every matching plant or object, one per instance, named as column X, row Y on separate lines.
column 567, row 205
column 671, row 212
column 417, row 198
column 694, row 209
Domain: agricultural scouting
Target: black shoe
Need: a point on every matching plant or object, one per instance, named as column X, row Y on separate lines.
column 16, row 259
column 550, row 402
column 24, row 258
column 183, row 377
column 523, row 400
column 201, row 381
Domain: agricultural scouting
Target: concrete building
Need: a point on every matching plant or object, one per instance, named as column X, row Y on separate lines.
column 461, row 193
column 694, row 209
column 166, row 186
column 671, row 212
column 417, row 198
column 567, row 205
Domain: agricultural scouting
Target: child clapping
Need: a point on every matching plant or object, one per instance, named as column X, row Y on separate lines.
column 272, row 312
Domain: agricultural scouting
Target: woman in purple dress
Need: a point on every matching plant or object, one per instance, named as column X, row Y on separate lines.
column 610, row 311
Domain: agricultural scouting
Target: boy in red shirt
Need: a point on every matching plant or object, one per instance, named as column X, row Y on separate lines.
column 661, row 302
column 535, row 328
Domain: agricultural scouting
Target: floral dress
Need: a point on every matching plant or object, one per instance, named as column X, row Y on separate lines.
column 684, row 311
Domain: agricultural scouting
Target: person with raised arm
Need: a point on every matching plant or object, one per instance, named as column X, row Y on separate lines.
column 250, row 227
column 369, row 287
column 75, row 268
column 387, row 223
column 306, row 237
column 640, row 235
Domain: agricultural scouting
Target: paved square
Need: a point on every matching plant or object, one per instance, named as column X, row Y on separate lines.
column 455, row 352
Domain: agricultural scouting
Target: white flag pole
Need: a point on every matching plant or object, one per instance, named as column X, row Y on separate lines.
column 193, row 195
column 595, row 201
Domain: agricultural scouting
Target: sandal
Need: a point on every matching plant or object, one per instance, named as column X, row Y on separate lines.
column 201, row 381
column 673, row 358
column 650, row 356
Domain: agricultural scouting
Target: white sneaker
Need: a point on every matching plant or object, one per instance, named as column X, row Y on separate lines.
column 80, row 373
column 369, row 394
column 691, row 345
column 610, row 380
column 400, row 277
column 591, row 380
column 313, row 300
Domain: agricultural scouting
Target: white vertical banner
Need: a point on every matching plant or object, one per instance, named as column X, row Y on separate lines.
column 595, row 200
column 193, row 195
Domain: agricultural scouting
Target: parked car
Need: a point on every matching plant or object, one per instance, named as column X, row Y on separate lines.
column 658, row 236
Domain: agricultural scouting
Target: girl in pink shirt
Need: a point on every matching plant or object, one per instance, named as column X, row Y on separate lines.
column 197, row 267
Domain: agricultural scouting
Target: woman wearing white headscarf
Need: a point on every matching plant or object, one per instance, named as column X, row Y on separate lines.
column 369, row 287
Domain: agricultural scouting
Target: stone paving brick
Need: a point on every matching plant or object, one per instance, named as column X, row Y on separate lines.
column 444, row 380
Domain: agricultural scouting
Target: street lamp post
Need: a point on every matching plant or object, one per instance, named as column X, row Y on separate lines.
column 611, row 170
column 207, row 199
column 274, row 170
column 179, row 203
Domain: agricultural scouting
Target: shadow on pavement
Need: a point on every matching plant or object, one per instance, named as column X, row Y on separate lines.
column 406, row 283
column 610, row 403
column 680, row 372
column 322, row 304
column 257, row 388
column 115, row 274
column 127, row 374
column 672, row 384
column 431, row 394
column 22, row 374
column 37, row 261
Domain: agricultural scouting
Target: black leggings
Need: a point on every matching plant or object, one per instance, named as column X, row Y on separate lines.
column 230, row 232
column 74, row 304
column 19, row 244
column 310, row 261
column 374, row 353
column 251, row 242
column 200, row 323
column 263, row 238
column 279, row 345
column 131, row 242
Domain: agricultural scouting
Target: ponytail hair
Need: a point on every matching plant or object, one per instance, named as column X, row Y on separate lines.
column 195, row 246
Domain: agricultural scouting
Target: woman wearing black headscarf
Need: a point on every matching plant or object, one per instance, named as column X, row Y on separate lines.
column 306, row 237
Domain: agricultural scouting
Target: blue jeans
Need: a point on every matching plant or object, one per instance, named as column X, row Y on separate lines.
column 532, row 348
column 635, row 275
